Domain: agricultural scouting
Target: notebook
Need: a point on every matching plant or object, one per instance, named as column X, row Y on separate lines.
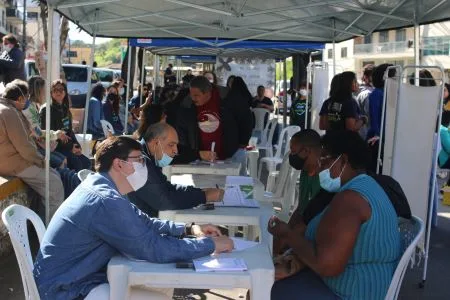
column 212, row 264
column 238, row 196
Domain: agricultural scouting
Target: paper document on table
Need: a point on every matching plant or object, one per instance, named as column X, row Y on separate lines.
column 240, row 244
column 239, row 180
column 238, row 196
column 212, row 264
column 204, row 162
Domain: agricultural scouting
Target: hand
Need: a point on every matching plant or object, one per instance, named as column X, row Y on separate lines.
column 223, row 244
column 205, row 230
column 279, row 245
column 278, row 228
column 207, row 155
column 214, row 195
column 76, row 149
column 373, row 140
column 364, row 119
column 63, row 137
column 282, row 270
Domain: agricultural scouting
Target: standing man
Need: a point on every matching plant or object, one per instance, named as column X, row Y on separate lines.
column 363, row 97
column 187, row 78
column 12, row 60
column 97, row 222
column 261, row 101
column 169, row 76
column 205, row 118
column 160, row 143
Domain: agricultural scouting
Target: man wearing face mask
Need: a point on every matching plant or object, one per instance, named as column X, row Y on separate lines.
column 298, row 108
column 11, row 60
column 159, row 143
column 97, row 222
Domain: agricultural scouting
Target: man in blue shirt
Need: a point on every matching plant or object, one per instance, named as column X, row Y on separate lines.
column 97, row 222
column 160, row 144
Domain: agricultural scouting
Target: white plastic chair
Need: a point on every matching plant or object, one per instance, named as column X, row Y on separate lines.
column 284, row 194
column 411, row 232
column 15, row 219
column 107, row 127
column 284, row 139
column 260, row 115
column 267, row 137
column 83, row 174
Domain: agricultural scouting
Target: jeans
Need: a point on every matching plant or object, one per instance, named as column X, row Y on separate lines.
column 69, row 180
column 303, row 285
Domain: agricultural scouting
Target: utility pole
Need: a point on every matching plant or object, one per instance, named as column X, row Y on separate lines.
column 24, row 30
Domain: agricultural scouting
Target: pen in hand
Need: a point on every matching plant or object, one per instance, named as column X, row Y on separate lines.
column 213, row 145
column 217, row 186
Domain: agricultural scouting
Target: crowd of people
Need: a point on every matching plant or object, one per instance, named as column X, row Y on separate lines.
column 333, row 247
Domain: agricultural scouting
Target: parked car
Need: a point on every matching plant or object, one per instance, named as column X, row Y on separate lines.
column 30, row 68
column 77, row 83
column 105, row 76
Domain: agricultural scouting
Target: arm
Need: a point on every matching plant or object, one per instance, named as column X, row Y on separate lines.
column 14, row 60
column 186, row 155
column 445, row 139
column 323, row 122
column 19, row 136
column 375, row 114
column 143, row 237
column 95, row 114
column 353, row 124
column 335, row 237
column 160, row 194
column 107, row 112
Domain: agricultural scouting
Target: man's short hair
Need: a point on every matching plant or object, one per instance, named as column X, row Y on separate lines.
column 112, row 148
column 368, row 71
column 201, row 83
column 157, row 130
column 307, row 137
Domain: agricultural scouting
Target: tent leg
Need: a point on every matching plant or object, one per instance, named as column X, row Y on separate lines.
column 334, row 48
column 127, row 95
column 89, row 79
column 142, row 76
column 285, row 94
column 47, row 115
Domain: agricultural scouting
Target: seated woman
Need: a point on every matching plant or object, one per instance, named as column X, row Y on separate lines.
column 61, row 119
column 36, row 85
column 111, row 109
column 351, row 249
column 95, row 113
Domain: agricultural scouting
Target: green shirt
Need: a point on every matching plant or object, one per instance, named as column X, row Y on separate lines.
column 309, row 188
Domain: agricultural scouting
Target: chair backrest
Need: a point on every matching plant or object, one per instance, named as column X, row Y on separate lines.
column 108, row 129
column 15, row 219
column 82, row 174
column 268, row 132
column 282, row 178
column 260, row 115
column 285, row 136
column 411, row 232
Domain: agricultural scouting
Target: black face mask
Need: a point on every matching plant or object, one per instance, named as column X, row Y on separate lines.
column 296, row 161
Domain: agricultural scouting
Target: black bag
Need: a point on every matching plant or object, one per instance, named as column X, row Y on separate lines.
column 395, row 193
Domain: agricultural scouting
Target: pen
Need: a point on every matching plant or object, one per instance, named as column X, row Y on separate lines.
column 213, row 145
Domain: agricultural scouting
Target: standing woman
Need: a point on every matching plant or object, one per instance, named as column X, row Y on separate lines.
column 12, row 60
column 61, row 119
column 341, row 111
column 111, row 109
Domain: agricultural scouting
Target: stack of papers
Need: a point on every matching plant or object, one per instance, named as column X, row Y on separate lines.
column 241, row 244
column 238, row 196
column 211, row 264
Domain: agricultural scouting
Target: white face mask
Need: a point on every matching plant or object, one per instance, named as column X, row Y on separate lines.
column 139, row 177
column 303, row 92
column 121, row 91
column 8, row 47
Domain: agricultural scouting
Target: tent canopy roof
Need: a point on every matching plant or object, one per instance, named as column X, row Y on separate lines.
column 240, row 20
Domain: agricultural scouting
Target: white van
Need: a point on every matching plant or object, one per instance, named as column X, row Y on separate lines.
column 105, row 76
column 77, row 84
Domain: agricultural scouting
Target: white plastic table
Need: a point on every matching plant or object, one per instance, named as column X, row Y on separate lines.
column 124, row 273
column 225, row 168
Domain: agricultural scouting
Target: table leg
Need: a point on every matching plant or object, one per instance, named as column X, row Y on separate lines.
column 118, row 282
column 262, row 281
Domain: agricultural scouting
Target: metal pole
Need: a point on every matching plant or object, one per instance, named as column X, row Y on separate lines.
column 416, row 52
column 48, row 104
column 275, row 87
column 155, row 57
column 142, row 77
column 285, row 93
column 89, row 79
column 127, row 97
column 24, row 28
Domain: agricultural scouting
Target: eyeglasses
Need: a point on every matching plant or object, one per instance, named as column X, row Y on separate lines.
column 58, row 90
column 139, row 159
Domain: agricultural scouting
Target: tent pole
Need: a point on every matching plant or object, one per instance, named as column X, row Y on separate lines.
column 127, row 95
column 275, row 86
column 89, row 79
column 48, row 104
column 285, row 93
column 416, row 52
column 155, row 57
column 334, row 47
column 142, row 77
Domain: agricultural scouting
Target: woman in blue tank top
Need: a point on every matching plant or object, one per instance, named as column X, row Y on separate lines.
column 350, row 250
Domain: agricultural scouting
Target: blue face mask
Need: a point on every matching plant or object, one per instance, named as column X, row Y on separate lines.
column 329, row 184
column 27, row 104
column 165, row 159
